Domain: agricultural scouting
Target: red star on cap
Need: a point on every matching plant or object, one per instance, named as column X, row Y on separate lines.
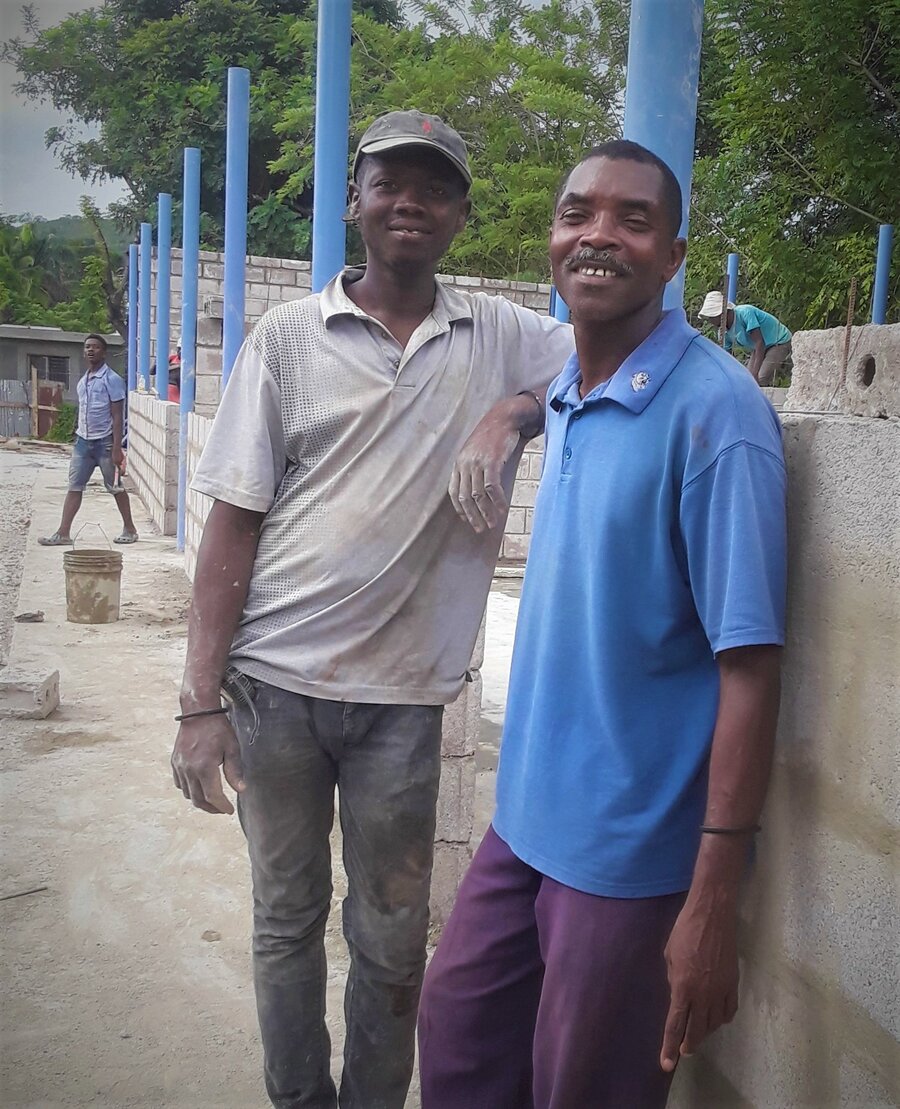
column 426, row 126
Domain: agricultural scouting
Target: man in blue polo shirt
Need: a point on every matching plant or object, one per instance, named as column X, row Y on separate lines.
column 594, row 938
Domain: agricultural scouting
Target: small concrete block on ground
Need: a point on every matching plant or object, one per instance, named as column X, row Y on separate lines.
column 26, row 697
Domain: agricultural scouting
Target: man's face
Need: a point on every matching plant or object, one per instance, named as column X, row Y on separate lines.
column 612, row 247
column 94, row 353
column 409, row 205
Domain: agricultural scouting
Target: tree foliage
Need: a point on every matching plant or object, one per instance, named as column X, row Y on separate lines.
column 797, row 134
column 798, row 139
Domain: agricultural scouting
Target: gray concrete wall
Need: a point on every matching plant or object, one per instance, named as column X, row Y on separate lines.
column 153, row 457
column 819, row 1023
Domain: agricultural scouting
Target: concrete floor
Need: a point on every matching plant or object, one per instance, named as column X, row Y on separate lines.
column 127, row 981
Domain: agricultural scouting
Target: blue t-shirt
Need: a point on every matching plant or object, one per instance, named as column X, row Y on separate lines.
column 748, row 318
column 659, row 540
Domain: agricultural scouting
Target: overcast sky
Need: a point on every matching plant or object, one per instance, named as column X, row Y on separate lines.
column 31, row 179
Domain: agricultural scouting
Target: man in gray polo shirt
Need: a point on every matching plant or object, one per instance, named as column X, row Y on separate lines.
column 338, row 596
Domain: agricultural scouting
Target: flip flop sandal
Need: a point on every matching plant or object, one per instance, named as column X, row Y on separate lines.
column 126, row 537
column 55, row 540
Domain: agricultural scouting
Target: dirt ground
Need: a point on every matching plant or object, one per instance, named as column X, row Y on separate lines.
column 127, row 980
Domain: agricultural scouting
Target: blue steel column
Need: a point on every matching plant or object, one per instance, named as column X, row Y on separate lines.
column 237, row 142
column 734, row 261
column 882, row 273
column 190, row 268
column 329, row 233
column 163, row 292
column 132, row 316
column 144, row 304
column 661, row 93
column 559, row 310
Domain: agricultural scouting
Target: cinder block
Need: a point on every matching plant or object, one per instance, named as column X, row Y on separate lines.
column 462, row 719
column 209, row 331
column 451, row 861
column 24, row 696
column 207, row 391
column 456, row 800
column 536, row 300
column 515, row 547
column 524, row 493
column 255, row 273
column 209, row 362
column 258, row 288
column 515, row 521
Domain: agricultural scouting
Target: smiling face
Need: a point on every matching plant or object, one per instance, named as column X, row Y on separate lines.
column 409, row 204
column 94, row 353
column 612, row 244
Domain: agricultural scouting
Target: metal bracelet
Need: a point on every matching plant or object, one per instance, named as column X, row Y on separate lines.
column 201, row 712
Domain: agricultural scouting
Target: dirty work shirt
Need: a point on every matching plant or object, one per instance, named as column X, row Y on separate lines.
column 748, row 318
column 367, row 587
column 658, row 541
column 96, row 391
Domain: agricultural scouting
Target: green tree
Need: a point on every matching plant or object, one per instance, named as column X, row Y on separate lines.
column 152, row 75
column 529, row 90
column 798, row 134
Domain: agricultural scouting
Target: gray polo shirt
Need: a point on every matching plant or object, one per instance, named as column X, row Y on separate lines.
column 367, row 586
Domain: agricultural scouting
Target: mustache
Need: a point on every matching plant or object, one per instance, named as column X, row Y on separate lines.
column 600, row 258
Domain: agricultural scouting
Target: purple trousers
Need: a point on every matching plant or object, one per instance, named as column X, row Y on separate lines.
column 543, row 997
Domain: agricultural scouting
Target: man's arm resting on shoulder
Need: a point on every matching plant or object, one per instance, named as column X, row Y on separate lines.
column 701, row 954
column 476, row 485
column 206, row 743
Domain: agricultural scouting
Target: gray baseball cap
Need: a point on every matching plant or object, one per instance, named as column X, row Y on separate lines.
column 398, row 129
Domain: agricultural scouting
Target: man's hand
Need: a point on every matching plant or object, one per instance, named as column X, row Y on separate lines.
column 118, row 457
column 202, row 745
column 701, row 957
column 476, row 485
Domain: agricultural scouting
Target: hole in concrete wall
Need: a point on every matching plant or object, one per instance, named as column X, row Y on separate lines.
column 866, row 372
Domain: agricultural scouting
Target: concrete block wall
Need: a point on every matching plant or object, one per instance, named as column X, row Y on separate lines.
column 153, row 457
column 819, row 1023
column 196, row 506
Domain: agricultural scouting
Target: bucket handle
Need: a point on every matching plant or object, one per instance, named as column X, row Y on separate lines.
column 91, row 524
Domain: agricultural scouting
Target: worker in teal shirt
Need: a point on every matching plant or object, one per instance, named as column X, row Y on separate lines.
column 750, row 328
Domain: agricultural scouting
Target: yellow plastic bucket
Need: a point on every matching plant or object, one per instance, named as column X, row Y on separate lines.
column 93, row 585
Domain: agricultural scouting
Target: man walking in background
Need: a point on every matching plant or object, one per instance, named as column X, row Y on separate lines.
column 98, row 443
column 752, row 329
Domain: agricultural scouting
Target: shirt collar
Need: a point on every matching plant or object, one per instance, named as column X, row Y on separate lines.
column 449, row 305
column 641, row 375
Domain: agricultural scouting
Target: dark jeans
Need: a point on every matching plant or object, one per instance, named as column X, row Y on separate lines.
column 543, row 997
column 385, row 762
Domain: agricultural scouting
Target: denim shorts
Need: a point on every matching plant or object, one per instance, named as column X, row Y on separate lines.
column 86, row 457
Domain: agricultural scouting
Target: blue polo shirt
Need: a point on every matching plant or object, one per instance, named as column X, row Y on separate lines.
column 659, row 540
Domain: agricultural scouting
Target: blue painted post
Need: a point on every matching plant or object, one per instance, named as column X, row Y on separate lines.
column 237, row 143
column 163, row 292
column 661, row 93
column 559, row 310
column 132, row 316
column 190, row 268
column 329, row 233
column 144, row 304
column 882, row 272
column 734, row 262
